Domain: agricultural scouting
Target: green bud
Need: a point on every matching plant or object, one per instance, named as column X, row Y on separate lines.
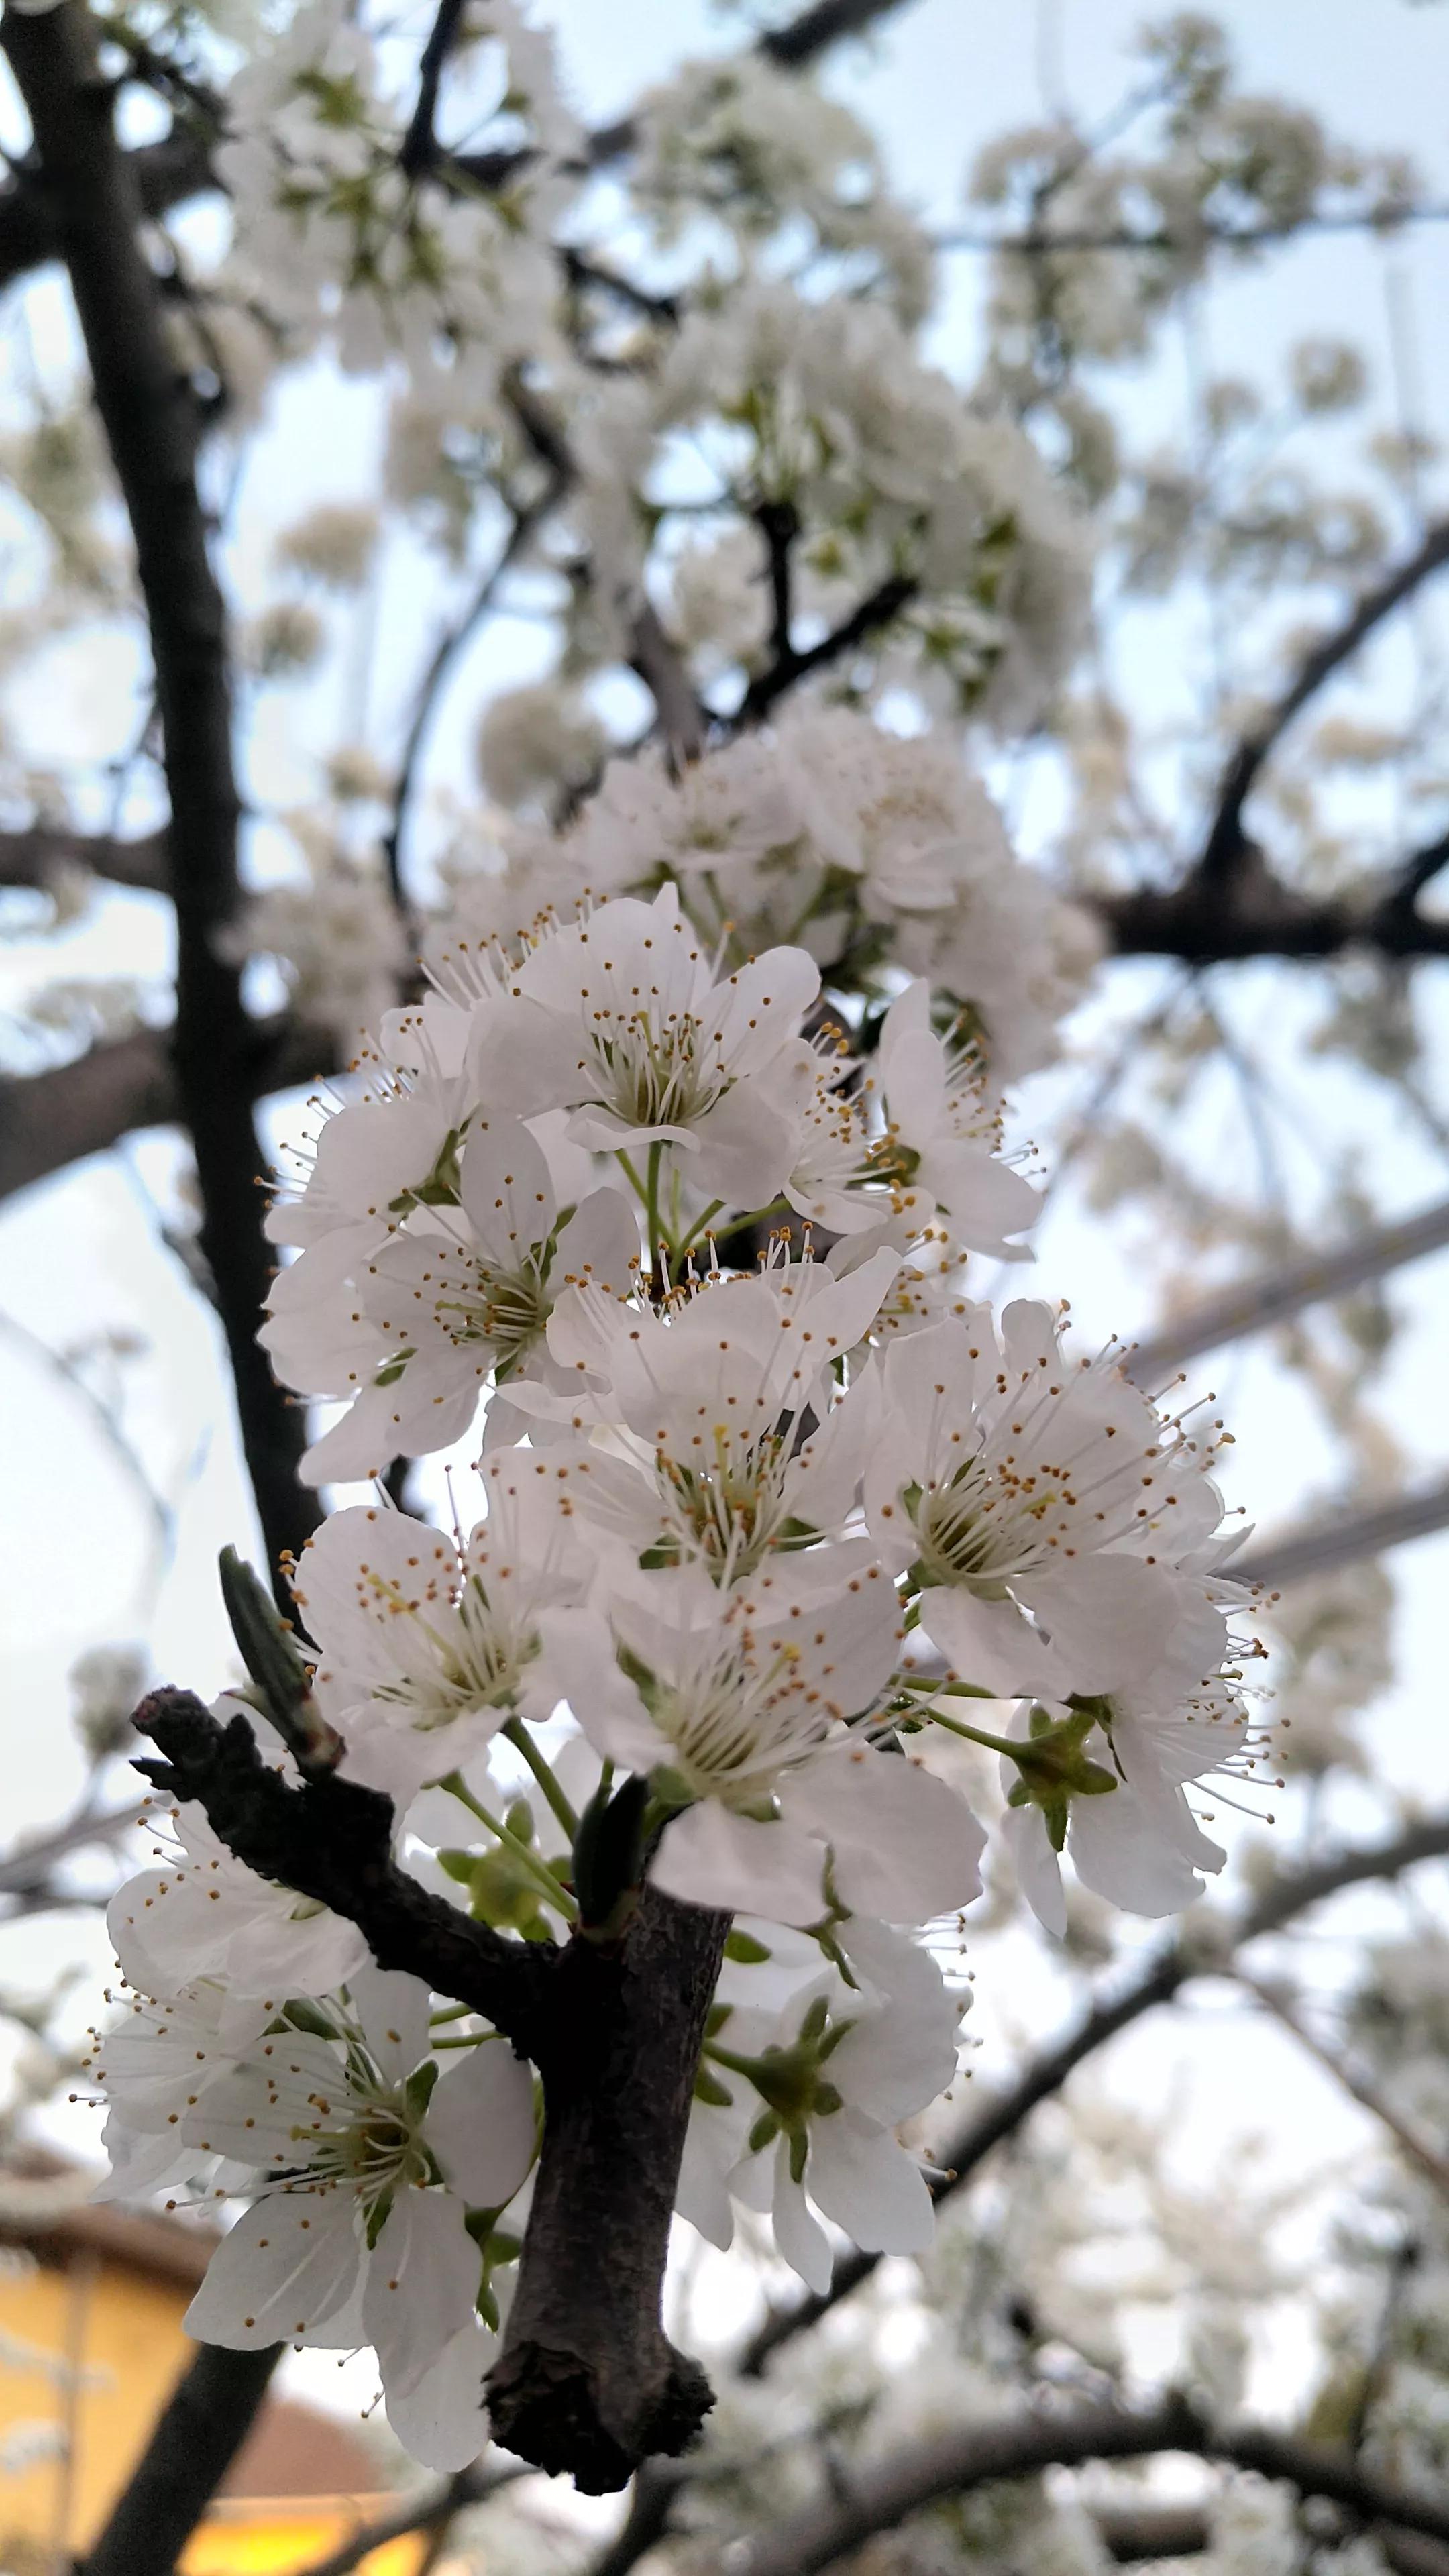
column 519, row 1820
column 272, row 1657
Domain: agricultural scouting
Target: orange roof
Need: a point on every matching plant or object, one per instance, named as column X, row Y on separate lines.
column 293, row 2451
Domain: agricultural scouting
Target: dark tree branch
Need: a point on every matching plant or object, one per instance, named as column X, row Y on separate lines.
column 779, row 524
column 656, row 658
column 1226, row 839
column 587, row 2380
column 151, row 426
column 51, row 1119
column 1289, row 1895
column 957, row 2463
column 207, row 2418
column 828, row 23
column 164, row 175
column 332, row 1840
column 419, row 150
column 31, row 857
column 788, row 667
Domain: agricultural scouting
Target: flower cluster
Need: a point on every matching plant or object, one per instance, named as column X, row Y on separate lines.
column 768, row 1511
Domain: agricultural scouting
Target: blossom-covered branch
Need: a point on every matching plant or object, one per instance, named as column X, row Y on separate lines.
column 885, row 2494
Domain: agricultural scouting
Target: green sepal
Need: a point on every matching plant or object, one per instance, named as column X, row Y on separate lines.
column 418, row 2090
column 378, row 2216
column 308, row 2016
column 745, row 1950
column 458, row 1864
column 276, row 1665
column 799, row 2154
column 716, row 2018
column 708, row 2088
column 764, row 2133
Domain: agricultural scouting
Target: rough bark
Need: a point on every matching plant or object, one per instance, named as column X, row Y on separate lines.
column 587, row 2380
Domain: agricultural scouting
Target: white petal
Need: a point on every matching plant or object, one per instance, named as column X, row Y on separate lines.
column 1038, row 1871
column 991, row 1644
column 288, row 2265
column 799, row 2236
column 480, row 2124
column 710, row 1857
column 906, row 1847
column 421, row 2285
column 1118, row 1851
column 393, row 2011
column 862, row 2179
column 441, row 2419
column 577, row 1664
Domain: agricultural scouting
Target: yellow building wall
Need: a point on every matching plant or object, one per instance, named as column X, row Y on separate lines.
column 87, row 2358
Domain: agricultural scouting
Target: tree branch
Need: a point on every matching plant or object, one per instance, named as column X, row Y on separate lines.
column 1434, row 2168
column 207, row 2418
column 959, row 2462
column 885, row 602
column 1346, row 1538
column 1288, row 1896
column 151, row 428
column 587, row 2380
column 1273, row 1297
column 1226, row 839
column 419, row 148
column 31, row 858
column 332, row 1840
column 51, row 1119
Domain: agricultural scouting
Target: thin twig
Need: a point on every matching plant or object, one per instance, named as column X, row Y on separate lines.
column 1434, row 2168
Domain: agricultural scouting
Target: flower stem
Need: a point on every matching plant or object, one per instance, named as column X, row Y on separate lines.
column 978, row 1735
column 538, row 1870
column 522, row 1742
